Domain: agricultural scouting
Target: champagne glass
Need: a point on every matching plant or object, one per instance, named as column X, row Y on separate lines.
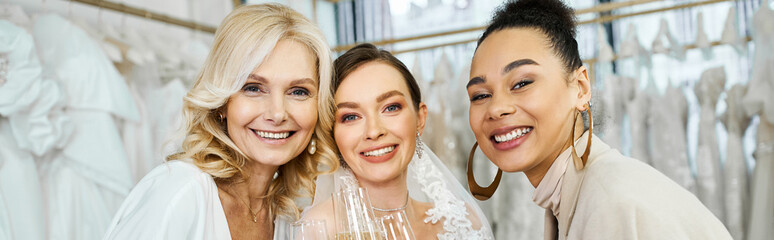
column 308, row 230
column 396, row 226
column 354, row 217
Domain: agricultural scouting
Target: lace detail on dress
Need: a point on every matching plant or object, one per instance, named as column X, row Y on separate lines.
column 347, row 180
column 445, row 205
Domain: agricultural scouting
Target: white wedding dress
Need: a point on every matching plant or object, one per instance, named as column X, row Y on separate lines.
column 736, row 191
column 668, row 118
column 31, row 125
column 637, row 108
column 438, row 136
column 758, row 101
column 709, row 175
column 151, row 139
column 85, row 183
column 612, row 111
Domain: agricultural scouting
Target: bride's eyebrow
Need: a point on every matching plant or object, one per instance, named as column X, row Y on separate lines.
column 389, row 94
column 347, row 105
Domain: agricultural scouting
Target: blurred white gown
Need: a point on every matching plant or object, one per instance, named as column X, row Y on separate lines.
column 88, row 180
column 735, row 169
column 638, row 123
column 758, row 100
column 668, row 118
column 31, row 125
column 149, row 140
column 709, row 175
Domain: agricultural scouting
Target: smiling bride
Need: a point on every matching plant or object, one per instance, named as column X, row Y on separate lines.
column 378, row 119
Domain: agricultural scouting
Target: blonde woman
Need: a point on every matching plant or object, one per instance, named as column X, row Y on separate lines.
column 253, row 139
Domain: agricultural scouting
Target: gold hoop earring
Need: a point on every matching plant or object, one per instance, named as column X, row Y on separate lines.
column 221, row 116
column 479, row 192
column 580, row 162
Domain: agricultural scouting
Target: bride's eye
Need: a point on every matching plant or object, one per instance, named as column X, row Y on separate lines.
column 392, row 108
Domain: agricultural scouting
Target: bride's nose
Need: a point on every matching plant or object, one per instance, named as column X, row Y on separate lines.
column 374, row 129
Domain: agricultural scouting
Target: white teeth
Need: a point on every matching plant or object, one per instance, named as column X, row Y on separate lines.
column 516, row 133
column 379, row 152
column 270, row 135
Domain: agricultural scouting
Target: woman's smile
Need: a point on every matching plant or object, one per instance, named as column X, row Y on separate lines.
column 508, row 138
column 379, row 154
column 274, row 137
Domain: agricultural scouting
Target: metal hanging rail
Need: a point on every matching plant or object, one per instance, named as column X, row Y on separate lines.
column 595, row 9
column 123, row 8
column 601, row 19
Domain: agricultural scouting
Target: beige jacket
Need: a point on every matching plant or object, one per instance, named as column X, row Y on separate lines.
column 616, row 197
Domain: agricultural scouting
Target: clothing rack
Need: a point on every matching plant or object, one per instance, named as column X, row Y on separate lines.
column 595, row 9
column 123, row 8
column 599, row 8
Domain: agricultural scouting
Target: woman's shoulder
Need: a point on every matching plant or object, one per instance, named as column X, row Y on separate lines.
column 168, row 181
column 175, row 171
column 175, row 195
column 622, row 190
column 629, row 178
column 631, row 188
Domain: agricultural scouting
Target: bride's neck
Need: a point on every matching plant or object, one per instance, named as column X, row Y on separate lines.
column 389, row 194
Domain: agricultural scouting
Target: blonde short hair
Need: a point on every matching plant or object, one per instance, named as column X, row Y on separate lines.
column 243, row 40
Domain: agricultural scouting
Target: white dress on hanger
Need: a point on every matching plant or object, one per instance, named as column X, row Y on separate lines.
column 638, row 122
column 702, row 40
column 31, row 125
column 86, row 183
column 758, row 100
column 735, row 169
column 668, row 119
column 437, row 134
column 666, row 43
column 708, row 170
column 611, row 107
column 137, row 137
column 730, row 34
column 169, row 120
column 149, row 141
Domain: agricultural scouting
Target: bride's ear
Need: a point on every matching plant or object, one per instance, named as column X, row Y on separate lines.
column 421, row 117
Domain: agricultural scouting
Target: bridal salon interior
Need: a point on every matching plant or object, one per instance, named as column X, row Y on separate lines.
column 92, row 94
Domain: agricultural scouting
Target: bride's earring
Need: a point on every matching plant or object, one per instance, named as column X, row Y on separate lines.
column 580, row 162
column 418, row 149
column 312, row 147
column 479, row 192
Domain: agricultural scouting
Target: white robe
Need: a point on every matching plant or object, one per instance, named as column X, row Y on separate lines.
column 176, row 200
